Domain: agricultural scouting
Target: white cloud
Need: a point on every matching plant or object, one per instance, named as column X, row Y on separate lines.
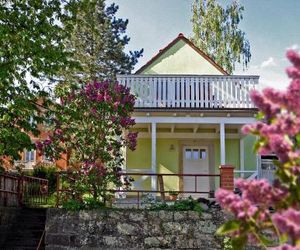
column 269, row 76
column 293, row 47
column 268, row 63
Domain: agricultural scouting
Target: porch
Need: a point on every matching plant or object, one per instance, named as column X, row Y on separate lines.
column 166, row 144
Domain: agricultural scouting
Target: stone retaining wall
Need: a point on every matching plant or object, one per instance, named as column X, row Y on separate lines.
column 8, row 217
column 132, row 229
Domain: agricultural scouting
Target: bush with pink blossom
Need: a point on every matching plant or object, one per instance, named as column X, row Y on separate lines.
column 269, row 214
column 91, row 124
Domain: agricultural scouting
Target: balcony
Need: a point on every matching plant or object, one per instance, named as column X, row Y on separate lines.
column 191, row 91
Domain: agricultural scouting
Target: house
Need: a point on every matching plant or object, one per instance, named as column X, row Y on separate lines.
column 189, row 113
column 30, row 158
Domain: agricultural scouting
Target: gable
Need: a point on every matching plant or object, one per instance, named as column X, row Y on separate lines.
column 181, row 57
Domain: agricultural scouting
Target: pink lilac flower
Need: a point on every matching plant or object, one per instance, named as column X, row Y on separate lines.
column 241, row 208
column 58, row 131
column 294, row 57
column 285, row 247
column 293, row 72
column 47, row 142
column 288, row 222
column 268, row 108
column 39, row 145
column 280, row 146
column 275, row 96
column 116, row 105
column 260, row 192
column 132, row 140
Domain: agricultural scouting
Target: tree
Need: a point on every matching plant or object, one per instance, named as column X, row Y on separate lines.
column 216, row 32
column 31, row 47
column 91, row 124
column 98, row 43
column 278, row 129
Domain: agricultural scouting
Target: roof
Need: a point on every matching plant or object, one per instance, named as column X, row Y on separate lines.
column 192, row 45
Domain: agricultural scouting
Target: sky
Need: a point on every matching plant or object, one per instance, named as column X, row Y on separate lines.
column 271, row 26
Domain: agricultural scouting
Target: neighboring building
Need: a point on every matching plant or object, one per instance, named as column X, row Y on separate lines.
column 30, row 158
column 189, row 113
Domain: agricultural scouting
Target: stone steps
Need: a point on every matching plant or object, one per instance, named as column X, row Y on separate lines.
column 27, row 231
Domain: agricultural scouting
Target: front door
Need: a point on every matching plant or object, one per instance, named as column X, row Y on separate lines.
column 196, row 161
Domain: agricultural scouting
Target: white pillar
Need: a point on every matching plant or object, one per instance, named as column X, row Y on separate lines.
column 242, row 156
column 258, row 166
column 222, row 143
column 153, row 156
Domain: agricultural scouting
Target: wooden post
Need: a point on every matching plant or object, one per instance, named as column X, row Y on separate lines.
column 227, row 177
column 20, row 191
column 161, row 186
column 57, row 189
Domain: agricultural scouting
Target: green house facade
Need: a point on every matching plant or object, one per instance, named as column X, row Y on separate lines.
column 189, row 113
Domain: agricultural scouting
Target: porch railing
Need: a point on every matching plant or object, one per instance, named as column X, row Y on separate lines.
column 246, row 174
column 16, row 190
column 160, row 192
column 190, row 91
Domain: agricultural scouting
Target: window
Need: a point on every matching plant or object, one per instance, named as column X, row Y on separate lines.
column 29, row 155
column 202, row 154
column 195, row 154
column 188, row 154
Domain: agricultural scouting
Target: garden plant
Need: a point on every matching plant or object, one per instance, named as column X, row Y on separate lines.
column 269, row 214
column 90, row 128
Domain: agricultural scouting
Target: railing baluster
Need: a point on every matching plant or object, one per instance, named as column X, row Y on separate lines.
column 172, row 91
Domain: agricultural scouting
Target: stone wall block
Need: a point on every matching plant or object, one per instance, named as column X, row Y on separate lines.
column 206, row 227
column 165, row 215
column 193, row 215
column 138, row 216
column 175, row 228
column 128, row 229
column 181, row 216
column 58, row 239
column 151, row 228
column 118, row 215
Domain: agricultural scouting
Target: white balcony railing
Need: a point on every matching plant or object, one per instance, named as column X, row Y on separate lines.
column 190, row 91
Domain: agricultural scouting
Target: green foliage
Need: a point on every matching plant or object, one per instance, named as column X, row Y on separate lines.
column 188, row 204
column 98, row 42
column 32, row 53
column 216, row 32
column 72, row 204
column 227, row 244
column 91, row 203
column 46, row 171
column 87, row 204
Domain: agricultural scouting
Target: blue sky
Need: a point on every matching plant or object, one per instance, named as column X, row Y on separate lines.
column 271, row 26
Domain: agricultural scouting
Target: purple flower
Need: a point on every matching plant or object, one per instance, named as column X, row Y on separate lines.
column 39, row 145
column 47, row 142
column 285, row 247
column 288, row 222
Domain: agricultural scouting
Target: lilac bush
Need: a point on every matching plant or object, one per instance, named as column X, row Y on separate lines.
column 91, row 126
column 278, row 129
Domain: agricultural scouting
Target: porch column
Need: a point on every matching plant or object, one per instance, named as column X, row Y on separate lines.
column 242, row 156
column 222, row 143
column 153, row 156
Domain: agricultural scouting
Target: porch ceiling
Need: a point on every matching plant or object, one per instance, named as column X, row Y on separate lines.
column 187, row 129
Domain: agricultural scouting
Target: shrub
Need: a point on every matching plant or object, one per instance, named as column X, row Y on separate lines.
column 46, row 171
column 278, row 129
